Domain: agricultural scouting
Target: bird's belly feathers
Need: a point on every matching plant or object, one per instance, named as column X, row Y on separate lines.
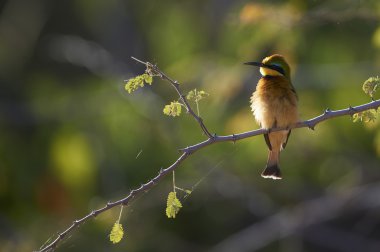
column 275, row 107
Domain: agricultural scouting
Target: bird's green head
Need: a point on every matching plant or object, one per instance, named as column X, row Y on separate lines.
column 274, row 65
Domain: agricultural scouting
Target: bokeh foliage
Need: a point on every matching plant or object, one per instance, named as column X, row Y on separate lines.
column 72, row 138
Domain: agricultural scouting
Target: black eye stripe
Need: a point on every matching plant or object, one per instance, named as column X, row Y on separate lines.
column 276, row 68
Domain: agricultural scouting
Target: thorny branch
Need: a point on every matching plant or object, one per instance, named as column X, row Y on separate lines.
column 188, row 151
column 155, row 71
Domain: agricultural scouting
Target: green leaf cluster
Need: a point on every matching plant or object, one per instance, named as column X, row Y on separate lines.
column 196, row 96
column 139, row 81
column 117, row 233
column 370, row 86
column 365, row 116
column 173, row 205
column 173, row 109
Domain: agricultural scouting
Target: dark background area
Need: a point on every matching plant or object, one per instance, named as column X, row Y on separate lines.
column 71, row 137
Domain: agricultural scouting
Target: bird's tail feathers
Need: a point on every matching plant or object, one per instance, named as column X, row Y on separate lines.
column 272, row 172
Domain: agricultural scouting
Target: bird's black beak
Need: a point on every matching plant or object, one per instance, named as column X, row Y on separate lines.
column 259, row 64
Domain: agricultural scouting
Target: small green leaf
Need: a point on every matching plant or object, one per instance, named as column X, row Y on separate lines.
column 148, row 79
column 190, row 95
column 365, row 116
column 139, row 81
column 370, row 86
column 173, row 109
column 356, row 117
column 188, row 191
column 173, row 205
column 369, row 116
column 117, row 233
column 202, row 94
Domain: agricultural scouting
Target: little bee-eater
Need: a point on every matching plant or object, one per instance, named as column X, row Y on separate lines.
column 274, row 104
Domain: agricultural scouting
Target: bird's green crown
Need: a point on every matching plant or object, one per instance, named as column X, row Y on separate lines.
column 278, row 61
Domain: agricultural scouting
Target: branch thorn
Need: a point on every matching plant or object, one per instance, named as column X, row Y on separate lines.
column 352, row 110
column 233, row 138
column 310, row 126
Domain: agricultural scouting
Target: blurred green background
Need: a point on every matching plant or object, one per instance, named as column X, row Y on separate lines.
column 72, row 138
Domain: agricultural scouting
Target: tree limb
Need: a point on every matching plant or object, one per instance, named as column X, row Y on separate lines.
column 155, row 71
column 188, row 151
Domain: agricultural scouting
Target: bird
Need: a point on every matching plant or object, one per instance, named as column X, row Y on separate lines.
column 274, row 104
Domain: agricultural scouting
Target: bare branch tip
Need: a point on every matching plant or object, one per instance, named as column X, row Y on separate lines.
column 140, row 61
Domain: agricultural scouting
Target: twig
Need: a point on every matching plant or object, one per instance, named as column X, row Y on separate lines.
column 186, row 152
column 175, row 84
column 124, row 201
column 311, row 123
